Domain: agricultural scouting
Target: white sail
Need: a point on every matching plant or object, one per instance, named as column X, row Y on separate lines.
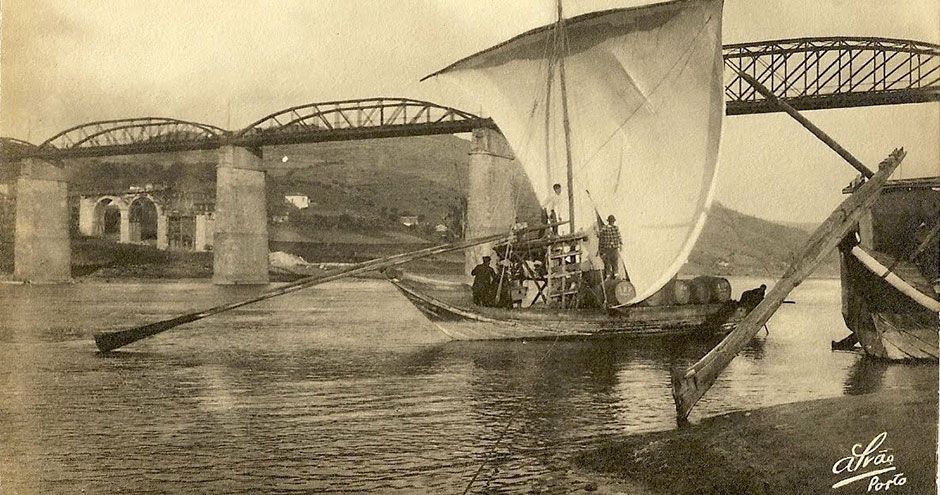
column 645, row 98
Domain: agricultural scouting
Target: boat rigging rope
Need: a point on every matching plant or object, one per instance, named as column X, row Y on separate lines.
column 684, row 60
column 509, row 422
column 515, row 412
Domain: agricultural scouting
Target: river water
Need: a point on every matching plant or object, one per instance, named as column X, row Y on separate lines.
column 346, row 388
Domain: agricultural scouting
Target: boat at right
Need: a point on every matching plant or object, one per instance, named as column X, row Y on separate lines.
column 889, row 272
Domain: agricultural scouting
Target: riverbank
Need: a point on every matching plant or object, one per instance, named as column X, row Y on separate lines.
column 783, row 449
column 108, row 260
column 99, row 259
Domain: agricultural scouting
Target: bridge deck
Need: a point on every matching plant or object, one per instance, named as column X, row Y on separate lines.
column 807, row 73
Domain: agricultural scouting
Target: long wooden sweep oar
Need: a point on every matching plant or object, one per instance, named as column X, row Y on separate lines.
column 108, row 341
column 689, row 385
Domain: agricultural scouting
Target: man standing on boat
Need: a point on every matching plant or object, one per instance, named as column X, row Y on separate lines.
column 484, row 283
column 552, row 206
column 609, row 243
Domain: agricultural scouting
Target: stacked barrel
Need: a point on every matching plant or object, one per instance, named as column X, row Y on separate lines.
column 698, row 290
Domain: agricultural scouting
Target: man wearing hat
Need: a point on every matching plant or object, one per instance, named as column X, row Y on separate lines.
column 608, row 244
column 484, row 283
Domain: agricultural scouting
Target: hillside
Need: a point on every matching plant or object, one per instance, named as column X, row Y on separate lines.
column 733, row 243
column 355, row 187
column 358, row 190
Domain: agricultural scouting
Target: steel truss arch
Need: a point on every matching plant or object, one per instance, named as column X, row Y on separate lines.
column 135, row 135
column 833, row 72
column 807, row 73
column 358, row 119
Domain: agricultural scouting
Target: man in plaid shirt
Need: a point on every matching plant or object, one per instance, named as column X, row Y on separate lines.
column 609, row 243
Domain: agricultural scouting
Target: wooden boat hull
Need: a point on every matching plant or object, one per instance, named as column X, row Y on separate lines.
column 449, row 310
column 888, row 323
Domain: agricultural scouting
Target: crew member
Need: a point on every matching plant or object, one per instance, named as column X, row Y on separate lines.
column 484, row 283
column 751, row 298
column 609, row 243
column 551, row 207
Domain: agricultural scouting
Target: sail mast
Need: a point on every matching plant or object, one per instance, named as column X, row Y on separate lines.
column 548, row 110
column 562, row 44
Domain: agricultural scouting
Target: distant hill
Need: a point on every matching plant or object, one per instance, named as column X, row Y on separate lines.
column 733, row 243
column 805, row 226
column 374, row 182
column 358, row 190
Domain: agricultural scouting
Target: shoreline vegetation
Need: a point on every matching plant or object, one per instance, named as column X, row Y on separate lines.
column 784, row 449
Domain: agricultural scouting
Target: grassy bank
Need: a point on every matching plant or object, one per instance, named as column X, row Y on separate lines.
column 100, row 258
column 779, row 450
column 103, row 259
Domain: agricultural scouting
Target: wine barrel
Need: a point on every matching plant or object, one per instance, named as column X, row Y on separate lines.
column 681, row 291
column 618, row 291
column 706, row 289
column 701, row 289
column 662, row 297
column 721, row 290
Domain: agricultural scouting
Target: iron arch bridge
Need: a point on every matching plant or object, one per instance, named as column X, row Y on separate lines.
column 819, row 73
column 358, row 119
column 807, row 73
column 12, row 148
column 131, row 136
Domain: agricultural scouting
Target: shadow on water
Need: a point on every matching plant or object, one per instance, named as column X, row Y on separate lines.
column 553, row 397
column 866, row 376
column 129, row 355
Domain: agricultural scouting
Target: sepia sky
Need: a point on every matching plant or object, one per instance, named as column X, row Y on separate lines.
column 228, row 63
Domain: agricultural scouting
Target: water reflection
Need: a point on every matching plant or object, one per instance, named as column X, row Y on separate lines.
column 319, row 392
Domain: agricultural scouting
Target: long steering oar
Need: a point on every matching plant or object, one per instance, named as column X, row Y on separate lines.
column 689, row 385
column 108, row 341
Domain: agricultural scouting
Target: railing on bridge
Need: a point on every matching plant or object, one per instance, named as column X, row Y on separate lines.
column 818, row 73
column 808, row 73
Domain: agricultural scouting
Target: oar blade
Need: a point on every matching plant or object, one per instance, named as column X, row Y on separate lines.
column 109, row 341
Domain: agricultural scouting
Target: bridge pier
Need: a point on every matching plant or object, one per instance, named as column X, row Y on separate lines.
column 490, row 205
column 241, row 221
column 162, row 241
column 86, row 215
column 41, row 251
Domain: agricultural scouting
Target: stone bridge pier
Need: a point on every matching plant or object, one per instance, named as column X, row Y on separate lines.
column 490, row 205
column 241, row 229
column 41, row 230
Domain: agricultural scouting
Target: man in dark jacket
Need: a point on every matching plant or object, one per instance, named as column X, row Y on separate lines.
column 751, row 298
column 484, row 283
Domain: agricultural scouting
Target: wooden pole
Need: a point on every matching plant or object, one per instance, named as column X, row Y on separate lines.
column 563, row 43
column 897, row 282
column 760, row 88
column 689, row 385
column 548, row 112
column 108, row 341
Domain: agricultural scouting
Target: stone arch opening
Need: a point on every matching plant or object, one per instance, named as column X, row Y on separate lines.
column 107, row 219
column 143, row 220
